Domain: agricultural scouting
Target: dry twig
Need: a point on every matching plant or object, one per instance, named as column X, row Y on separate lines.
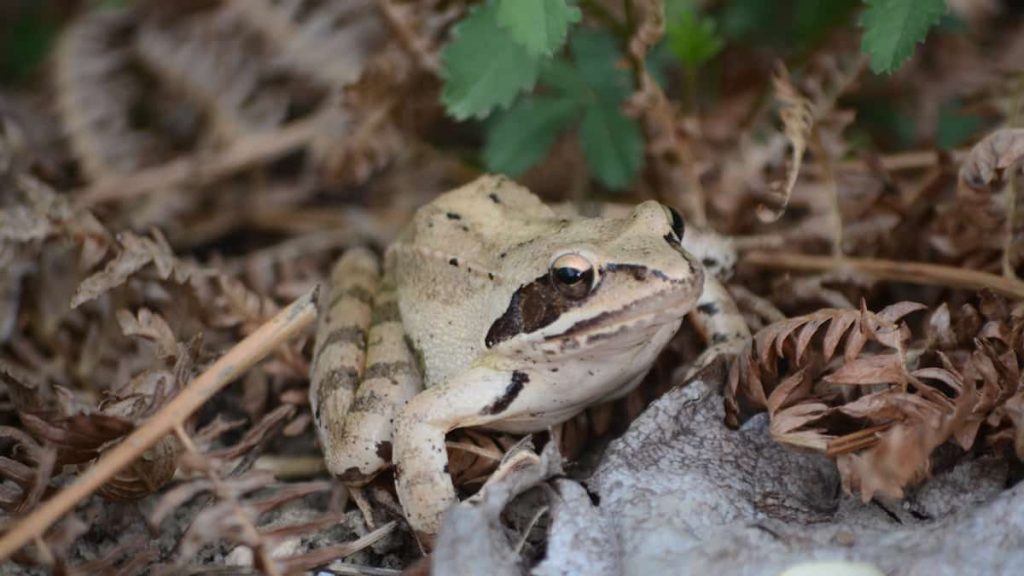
column 289, row 322
column 911, row 272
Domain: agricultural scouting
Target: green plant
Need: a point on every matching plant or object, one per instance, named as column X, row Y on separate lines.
column 507, row 63
column 893, row 27
column 526, row 70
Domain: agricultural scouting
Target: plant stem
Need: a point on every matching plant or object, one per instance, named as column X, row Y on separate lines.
column 910, row 272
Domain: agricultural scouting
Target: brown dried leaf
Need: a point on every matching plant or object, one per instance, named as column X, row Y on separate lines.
column 78, row 437
column 792, row 389
column 797, row 115
column 868, row 370
column 990, row 158
column 151, row 326
column 148, row 474
column 136, row 252
column 789, row 426
column 258, row 433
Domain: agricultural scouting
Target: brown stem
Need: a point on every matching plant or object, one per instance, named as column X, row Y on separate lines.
column 408, row 39
column 910, row 272
column 898, row 162
column 831, row 189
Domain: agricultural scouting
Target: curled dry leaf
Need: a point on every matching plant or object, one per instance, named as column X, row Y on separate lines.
column 154, row 469
column 989, row 159
column 797, row 115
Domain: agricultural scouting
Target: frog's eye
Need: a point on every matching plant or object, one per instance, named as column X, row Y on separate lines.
column 676, row 221
column 573, row 275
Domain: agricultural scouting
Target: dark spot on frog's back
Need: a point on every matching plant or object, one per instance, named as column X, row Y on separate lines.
column 501, row 403
column 453, row 216
column 494, row 198
column 454, row 262
column 384, row 451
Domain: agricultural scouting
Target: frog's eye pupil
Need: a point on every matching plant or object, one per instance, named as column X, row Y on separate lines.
column 678, row 226
column 573, row 275
column 567, row 275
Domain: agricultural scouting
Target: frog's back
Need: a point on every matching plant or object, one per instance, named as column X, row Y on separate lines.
column 448, row 265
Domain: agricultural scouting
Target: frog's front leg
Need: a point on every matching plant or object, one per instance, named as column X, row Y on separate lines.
column 479, row 396
column 719, row 322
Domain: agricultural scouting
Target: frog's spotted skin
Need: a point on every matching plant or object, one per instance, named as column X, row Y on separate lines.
column 513, row 318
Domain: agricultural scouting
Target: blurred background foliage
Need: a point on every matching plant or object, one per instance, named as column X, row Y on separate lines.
column 707, row 46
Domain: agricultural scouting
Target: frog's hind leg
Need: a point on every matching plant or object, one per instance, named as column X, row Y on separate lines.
column 340, row 350
column 391, row 379
column 719, row 322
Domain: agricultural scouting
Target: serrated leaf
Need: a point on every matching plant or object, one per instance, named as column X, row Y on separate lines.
column 540, row 26
column 522, row 135
column 612, row 144
column 483, row 66
column 893, row 27
column 693, row 39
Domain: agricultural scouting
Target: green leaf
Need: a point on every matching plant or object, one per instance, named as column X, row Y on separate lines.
column 612, row 144
column 600, row 64
column 483, row 66
column 893, row 27
column 521, row 136
column 692, row 38
column 26, row 43
column 540, row 26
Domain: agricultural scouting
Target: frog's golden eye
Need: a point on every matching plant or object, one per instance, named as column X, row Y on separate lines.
column 676, row 222
column 573, row 275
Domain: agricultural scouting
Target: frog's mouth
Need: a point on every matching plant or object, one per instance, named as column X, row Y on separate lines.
column 653, row 311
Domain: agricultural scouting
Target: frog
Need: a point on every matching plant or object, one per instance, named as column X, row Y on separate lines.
column 493, row 309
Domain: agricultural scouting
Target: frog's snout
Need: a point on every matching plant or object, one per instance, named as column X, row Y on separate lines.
column 660, row 230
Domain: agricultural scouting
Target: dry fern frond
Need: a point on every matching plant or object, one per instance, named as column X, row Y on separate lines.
column 328, row 41
column 474, row 455
column 359, row 136
column 217, row 59
column 841, row 382
column 97, row 92
column 797, row 114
